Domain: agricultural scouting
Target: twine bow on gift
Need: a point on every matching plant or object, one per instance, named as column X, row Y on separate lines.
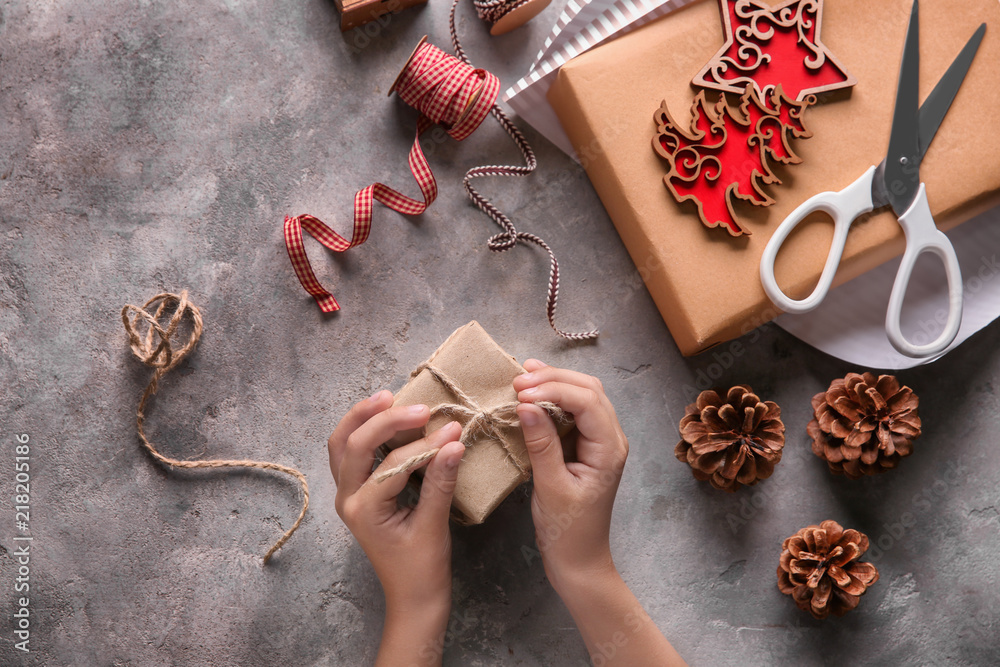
column 478, row 422
column 163, row 357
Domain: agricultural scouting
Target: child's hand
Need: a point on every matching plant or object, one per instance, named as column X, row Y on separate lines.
column 571, row 506
column 410, row 549
column 572, row 501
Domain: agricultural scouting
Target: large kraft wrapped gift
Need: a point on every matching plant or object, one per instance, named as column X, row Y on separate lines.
column 469, row 378
column 705, row 283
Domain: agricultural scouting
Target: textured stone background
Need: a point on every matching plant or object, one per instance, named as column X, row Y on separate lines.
column 157, row 145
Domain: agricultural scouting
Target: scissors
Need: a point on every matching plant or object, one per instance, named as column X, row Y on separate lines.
column 896, row 183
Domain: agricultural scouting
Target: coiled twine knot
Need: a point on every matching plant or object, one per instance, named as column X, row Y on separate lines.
column 161, row 356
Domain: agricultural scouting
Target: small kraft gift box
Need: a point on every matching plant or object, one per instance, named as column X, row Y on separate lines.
column 468, row 380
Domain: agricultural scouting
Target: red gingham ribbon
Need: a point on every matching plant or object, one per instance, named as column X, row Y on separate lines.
column 450, row 92
column 446, row 91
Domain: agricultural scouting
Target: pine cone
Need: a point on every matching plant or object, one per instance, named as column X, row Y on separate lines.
column 819, row 568
column 733, row 440
column 864, row 425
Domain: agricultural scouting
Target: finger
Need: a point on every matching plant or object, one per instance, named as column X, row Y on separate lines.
column 359, row 453
column 544, row 446
column 545, row 374
column 594, row 416
column 532, row 365
column 355, row 417
column 438, row 487
column 390, row 487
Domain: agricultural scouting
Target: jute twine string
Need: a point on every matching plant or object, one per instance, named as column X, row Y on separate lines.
column 479, row 421
column 163, row 358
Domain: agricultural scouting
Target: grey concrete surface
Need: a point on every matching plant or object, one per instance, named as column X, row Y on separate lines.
column 157, row 145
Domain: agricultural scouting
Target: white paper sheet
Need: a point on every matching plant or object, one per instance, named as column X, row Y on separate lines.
column 850, row 323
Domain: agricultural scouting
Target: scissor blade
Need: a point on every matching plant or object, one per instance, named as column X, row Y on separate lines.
column 936, row 106
column 902, row 165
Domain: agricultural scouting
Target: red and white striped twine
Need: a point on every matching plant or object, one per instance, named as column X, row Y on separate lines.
column 492, row 11
column 450, row 92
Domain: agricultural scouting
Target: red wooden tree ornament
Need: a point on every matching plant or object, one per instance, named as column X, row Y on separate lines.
column 725, row 155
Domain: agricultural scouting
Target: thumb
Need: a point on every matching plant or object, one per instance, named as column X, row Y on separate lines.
column 438, row 485
column 543, row 444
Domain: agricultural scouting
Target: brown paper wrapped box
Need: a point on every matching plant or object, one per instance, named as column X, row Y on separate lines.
column 705, row 283
column 490, row 468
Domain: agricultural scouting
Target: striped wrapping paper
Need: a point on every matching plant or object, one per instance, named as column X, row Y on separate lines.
column 574, row 18
column 579, row 28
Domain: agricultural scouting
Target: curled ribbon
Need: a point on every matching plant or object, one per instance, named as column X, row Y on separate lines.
column 450, row 92
column 446, row 91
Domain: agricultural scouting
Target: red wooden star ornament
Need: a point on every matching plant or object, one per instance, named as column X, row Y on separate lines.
column 768, row 46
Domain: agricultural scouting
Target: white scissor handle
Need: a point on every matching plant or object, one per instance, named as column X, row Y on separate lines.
column 922, row 235
column 844, row 207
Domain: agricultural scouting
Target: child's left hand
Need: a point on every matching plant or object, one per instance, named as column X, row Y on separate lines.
column 409, row 548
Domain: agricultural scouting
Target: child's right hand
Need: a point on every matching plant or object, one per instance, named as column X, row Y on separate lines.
column 571, row 506
column 572, row 500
